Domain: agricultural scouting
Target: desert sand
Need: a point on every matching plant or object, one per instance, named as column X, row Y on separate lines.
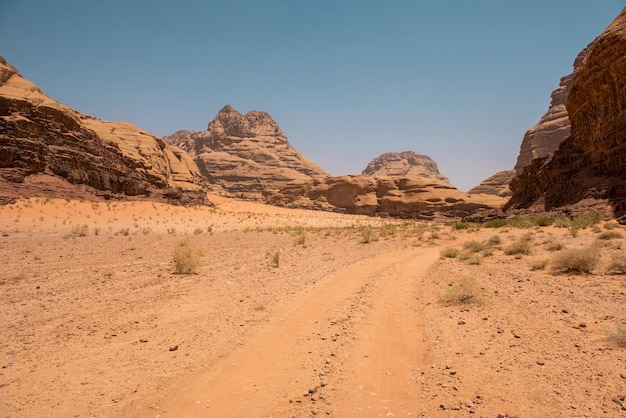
column 291, row 313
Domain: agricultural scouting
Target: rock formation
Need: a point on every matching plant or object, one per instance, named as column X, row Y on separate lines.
column 498, row 184
column 42, row 141
column 415, row 197
column 553, row 127
column 591, row 162
column 246, row 155
column 404, row 164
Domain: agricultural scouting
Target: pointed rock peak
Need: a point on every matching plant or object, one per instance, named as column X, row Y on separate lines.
column 230, row 122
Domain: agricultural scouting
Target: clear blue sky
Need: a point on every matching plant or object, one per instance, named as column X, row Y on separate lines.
column 459, row 81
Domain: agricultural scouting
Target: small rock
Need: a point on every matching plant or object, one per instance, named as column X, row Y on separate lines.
column 174, row 348
column 541, row 362
column 142, row 340
column 453, row 372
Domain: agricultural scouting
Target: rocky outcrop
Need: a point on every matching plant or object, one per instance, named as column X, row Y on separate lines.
column 498, row 184
column 591, row 163
column 553, row 127
column 39, row 136
column 415, row 197
column 246, row 155
column 404, row 164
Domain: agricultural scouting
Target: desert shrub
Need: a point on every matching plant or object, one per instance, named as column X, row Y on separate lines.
column 79, row 231
column 538, row 264
column 125, row 232
column 473, row 246
column 301, row 239
column 450, row 252
column 519, row 247
column 466, row 292
column 610, row 235
column 186, row 258
column 367, row 234
column 275, row 258
column 576, row 260
column 198, row 231
column 543, row 221
column 552, row 245
column 474, row 259
column 461, row 225
column 617, row 264
column 609, row 225
column 494, row 240
column 495, row 223
column 618, row 336
column 588, row 219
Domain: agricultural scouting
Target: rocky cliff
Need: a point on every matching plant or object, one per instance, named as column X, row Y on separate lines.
column 246, row 155
column 44, row 145
column 415, row 197
column 498, row 184
column 404, row 164
column 591, row 162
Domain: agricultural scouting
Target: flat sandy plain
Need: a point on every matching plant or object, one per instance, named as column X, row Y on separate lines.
column 290, row 313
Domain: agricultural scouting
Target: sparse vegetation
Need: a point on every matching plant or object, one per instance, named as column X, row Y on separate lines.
column 538, row 264
column 450, row 252
column 617, row 264
column 607, row 235
column 367, row 234
column 198, row 231
column 79, row 231
column 186, row 258
column 473, row 246
column 521, row 246
column 576, row 260
column 618, row 336
column 275, row 259
column 466, row 292
column 301, row 239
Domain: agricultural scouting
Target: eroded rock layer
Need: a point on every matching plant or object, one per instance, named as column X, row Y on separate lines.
column 39, row 136
column 591, row 163
column 246, row 155
column 415, row 197
column 498, row 184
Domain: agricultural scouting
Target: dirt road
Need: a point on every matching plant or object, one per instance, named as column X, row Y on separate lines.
column 348, row 346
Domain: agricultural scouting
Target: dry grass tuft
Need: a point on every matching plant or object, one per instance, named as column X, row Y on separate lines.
column 186, row 258
column 450, row 252
column 618, row 336
column 466, row 292
column 576, row 260
column 618, row 264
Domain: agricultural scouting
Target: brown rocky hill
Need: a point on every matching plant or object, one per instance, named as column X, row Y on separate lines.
column 591, row 162
column 246, row 155
column 553, row 127
column 498, row 184
column 404, row 164
column 415, row 197
column 540, row 140
column 47, row 148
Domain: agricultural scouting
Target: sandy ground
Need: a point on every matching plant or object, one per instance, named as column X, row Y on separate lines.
column 99, row 325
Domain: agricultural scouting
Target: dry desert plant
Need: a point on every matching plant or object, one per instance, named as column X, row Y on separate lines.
column 519, row 247
column 538, row 264
column 466, row 292
column 186, row 258
column 618, row 336
column 275, row 258
column 618, row 264
column 576, row 260
column 450, row 252
column 367, row 234
column 474, row 246
column 607, row 235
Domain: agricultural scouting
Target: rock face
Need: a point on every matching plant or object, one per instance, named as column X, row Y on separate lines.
column 246, row 155
column 591, row 163
column 553, row 127
column 498, row 184
column 404, row 164
column 42, row 138
column 415, row 197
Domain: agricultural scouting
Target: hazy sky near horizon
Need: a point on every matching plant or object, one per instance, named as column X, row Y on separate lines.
column 459, row 81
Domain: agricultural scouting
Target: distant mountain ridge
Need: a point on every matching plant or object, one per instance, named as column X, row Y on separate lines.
column 404, row 164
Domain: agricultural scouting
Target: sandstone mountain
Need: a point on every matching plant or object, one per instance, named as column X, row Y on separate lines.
column 498, row 184
column 47, row 148
column 553, row 127
column 404, row 164
column 415, row 197
column 591, row 162
column 540, row 140
column 246, row 155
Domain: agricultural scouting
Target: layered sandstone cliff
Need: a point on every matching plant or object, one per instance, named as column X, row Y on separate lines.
column 591, row 163
column 498, row 184
column 404, row 164
column 246, row 155
column 44, row 140
column 414, row 197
